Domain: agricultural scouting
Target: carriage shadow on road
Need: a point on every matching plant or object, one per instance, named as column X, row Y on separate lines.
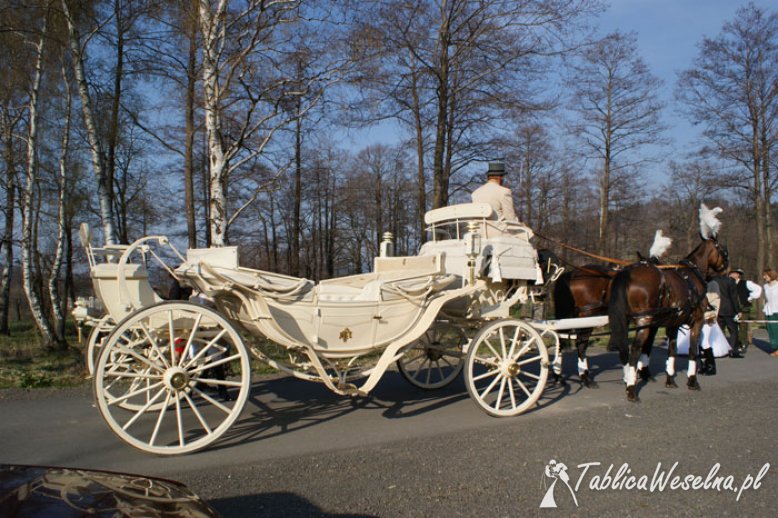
column 287, row 405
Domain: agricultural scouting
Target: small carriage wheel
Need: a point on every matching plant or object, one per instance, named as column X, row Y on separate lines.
column 99, row 332
column 172, row 378
column 436, row 358
column 507, row 367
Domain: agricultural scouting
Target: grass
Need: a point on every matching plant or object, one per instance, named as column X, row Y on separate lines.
column 25, row 363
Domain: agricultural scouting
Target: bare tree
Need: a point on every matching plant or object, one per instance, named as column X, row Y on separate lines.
column 30, row 203
column 615, row 97
column 9, row 121
column 246, row 89
column 532, row 155
column 732, row 90
column 451, row 70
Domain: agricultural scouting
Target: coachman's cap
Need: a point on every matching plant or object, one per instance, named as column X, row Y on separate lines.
column 496, row 169
column 741, row 272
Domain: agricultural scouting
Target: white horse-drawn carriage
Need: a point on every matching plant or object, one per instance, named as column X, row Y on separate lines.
column 171, row 377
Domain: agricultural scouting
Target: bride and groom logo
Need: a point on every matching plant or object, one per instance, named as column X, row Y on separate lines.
column 556, row 471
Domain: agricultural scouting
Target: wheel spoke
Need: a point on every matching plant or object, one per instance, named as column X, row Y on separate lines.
column 429, row 372
column 142, row 375
column 153, row 343
column 513, row 395
column 197, row 413
column 486, row 361
column 143, row 409
column 486, row 375
column 440, row 371
column 171, row 337
column 523, row 387
column 202, row 351
column 134, row 393
column 529, row 360
column 530, row 375
column 490, row 387
column 215, row 364
column 188, row 346
column 137, row 356
column 499, row 394
column 211, row 400
column 502, row 343
column 514, row 341
column 159, row 420
column 421, row 367
column 181, row 441
column 489, row 345
column 212, row 381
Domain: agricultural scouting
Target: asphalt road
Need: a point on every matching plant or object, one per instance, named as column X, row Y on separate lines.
column 299, row 450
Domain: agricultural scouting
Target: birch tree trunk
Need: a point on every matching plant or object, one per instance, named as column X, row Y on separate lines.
column 58, row 312
column 104, row 187
column 212, row 35
column 29, row 244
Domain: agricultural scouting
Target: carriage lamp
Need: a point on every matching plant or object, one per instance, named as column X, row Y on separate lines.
column 473, row 245
column 387, row 245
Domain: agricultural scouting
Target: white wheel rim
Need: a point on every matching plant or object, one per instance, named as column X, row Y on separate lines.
column 170, row 400
column 436, row 359
column 507, row 368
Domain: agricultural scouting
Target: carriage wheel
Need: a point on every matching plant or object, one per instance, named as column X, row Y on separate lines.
column 172, row 378
column 99, row 332
column 507, row 367
column 435, row 359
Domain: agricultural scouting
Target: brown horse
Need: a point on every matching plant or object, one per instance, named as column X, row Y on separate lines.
column 583, row 292
column 652, row 296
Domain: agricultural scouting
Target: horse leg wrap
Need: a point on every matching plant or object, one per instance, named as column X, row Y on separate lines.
column 557, row 365
column 643, row 361
column 692, row 371
column 583, row 365
column 630, row 376
column 670, row 366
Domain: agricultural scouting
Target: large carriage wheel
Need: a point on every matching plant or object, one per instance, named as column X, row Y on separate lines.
column 99, row 332
column 507, row 367
column 435, row 359
column 172, row 378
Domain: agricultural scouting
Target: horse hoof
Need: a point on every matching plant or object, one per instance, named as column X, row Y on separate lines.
column 591, row 384
column 693, row 384
column 632, row 396
column 645, row 374
column 670, row 383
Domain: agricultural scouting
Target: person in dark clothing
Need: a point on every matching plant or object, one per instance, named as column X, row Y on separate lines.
column 728, row 310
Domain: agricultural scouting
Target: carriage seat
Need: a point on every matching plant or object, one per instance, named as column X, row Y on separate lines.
column 407, row 273
column 489, row 224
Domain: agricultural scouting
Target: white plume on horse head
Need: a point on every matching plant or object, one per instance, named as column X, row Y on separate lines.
column 661, row 245
column 709, row 222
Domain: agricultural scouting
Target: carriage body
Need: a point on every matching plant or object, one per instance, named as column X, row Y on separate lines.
column 163, row 358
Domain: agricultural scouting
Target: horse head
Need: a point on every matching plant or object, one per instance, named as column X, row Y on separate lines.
column 718, row 256
column 710, row 256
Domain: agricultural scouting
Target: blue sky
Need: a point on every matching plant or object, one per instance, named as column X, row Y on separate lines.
column 669, row 32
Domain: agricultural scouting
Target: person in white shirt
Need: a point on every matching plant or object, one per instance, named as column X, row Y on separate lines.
column 770, row 291
column 496, row 194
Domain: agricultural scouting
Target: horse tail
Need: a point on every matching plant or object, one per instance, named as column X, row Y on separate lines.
column 617, row 312
column 564, row 303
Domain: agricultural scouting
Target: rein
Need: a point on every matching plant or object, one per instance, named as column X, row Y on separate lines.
column 619, row 262
column 584, row 252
